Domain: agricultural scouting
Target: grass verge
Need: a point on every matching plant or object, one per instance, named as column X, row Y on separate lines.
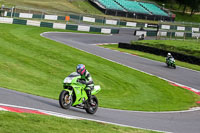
column 32, row 123
column 180, row 46
column 61, row 5
column 36, row 65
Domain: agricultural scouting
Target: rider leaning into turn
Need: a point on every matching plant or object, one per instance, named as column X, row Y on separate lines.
column 86, row 79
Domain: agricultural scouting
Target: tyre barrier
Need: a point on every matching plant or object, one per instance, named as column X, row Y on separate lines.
column 79, row 17
column 156, row 51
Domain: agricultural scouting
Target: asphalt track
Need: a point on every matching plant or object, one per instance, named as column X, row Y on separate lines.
column 178, row 122
column 86, row 42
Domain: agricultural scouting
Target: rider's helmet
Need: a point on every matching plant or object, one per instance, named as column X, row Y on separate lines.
column 80, row 69
column 169, row 54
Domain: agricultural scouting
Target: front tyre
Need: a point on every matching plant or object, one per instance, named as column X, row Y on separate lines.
column 167, row 63
column 174, row 66
column 92, row 108
column 65, row 100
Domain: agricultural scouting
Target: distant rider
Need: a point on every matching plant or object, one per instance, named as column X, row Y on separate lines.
column 169, row 56
column 85, row 79
column 141, row 37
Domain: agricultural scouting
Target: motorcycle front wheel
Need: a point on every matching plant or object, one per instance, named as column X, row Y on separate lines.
column 174, row 66
column 92, row 108
column 65, row 100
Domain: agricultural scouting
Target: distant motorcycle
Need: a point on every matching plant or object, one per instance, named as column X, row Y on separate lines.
column 171, row 63
column 141, row 37
column 74, row 94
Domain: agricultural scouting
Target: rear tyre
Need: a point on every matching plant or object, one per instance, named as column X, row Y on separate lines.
column 91, row 109
column 65, row 100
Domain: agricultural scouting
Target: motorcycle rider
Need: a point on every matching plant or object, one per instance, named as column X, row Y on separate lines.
column 85, row 79
column 169, row 55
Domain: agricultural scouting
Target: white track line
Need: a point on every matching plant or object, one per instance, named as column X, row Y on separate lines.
column 145, row 112
column 43, row 111
column 2, row 109
column 74, row 117
column 79, row 33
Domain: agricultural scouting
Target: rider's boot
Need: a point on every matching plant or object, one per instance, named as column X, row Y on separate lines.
column 89, row 97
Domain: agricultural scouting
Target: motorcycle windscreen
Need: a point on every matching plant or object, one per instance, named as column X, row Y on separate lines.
column 69, row 78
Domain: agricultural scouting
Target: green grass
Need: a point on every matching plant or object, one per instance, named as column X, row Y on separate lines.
column 32, row 123
column 174, row 8
column 185, row 47
column 36, row 65
column 152, row 56
column 86, row 7
column 78, row 6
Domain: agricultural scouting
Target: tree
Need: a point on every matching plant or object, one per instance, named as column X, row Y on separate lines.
column 195, row 6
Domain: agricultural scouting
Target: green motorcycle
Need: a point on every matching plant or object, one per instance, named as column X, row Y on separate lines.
column 171, row 63
column 75, row 95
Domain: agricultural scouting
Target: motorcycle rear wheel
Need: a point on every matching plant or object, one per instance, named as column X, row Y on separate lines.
column 91, row 109
column 64, row 100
